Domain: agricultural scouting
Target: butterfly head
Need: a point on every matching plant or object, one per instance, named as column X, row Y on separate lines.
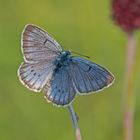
column 66, row 53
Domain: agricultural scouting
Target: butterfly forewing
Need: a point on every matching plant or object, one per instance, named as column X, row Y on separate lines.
column 38, row 45
column 88, row 76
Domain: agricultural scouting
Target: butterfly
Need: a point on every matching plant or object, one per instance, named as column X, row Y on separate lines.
column 48, row 68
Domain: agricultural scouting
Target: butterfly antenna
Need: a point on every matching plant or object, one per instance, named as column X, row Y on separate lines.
column 80, row 54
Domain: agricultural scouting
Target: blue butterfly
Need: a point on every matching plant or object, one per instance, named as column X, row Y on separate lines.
column 48, row 68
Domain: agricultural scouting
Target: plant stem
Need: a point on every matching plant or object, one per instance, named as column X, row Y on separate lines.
column 75, row 123
column 129, row 95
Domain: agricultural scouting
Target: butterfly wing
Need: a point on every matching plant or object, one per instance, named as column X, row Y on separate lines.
column 38, row 45
column 88, row 76
column 40, row 51
column 37, row 72
column 34, row 76
column 60, row 90
column 77, row 75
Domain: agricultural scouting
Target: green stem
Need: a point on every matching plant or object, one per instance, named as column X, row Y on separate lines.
column 75, row 123
column 129, row 95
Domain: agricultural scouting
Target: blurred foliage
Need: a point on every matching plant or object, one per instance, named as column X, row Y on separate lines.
column 82, row 26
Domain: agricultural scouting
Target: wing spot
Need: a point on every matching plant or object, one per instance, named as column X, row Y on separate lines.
column 39, row 75
column 45, row 41
column 58, row 90
column 34, row 73
column 32, row 70
column 88, row 69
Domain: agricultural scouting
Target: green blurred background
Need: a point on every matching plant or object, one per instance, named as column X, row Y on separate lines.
column 82, row 26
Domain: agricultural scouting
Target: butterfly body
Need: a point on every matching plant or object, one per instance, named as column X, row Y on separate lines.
column 62, row 59
column 48, row 68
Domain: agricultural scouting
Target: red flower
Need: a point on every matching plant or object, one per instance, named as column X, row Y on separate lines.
column 126, row 14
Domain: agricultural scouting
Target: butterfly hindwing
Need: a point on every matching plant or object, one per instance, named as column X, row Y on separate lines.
column 61, row 90
column 34, row 76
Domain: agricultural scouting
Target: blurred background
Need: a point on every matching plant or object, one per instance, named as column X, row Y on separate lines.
column 82, row 26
